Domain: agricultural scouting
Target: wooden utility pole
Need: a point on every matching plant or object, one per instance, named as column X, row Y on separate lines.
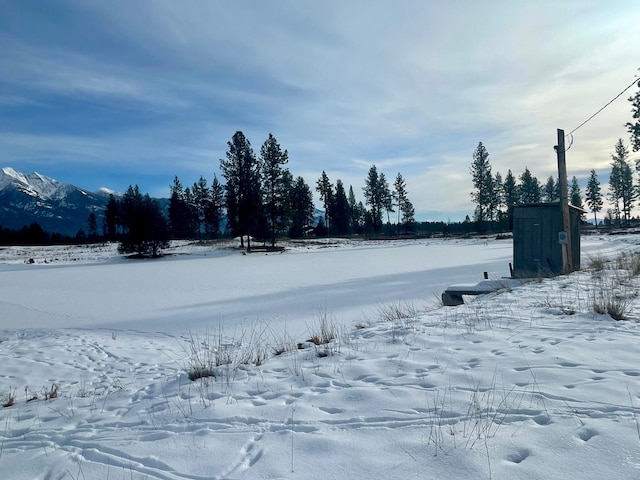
column 567, row 254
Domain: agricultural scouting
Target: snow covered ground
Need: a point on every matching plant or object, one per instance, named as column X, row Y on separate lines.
column 528, row 383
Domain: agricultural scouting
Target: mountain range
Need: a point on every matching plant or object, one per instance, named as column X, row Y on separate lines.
column 56, row 206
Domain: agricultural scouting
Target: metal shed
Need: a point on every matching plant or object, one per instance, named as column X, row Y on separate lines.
column 537, row 247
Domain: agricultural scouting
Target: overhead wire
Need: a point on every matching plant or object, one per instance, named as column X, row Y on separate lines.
column 570, row 142
column 606, row 105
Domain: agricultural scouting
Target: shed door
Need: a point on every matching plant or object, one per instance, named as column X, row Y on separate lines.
column 527, row 246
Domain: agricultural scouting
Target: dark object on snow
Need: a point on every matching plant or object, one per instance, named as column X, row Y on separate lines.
column 537, row 247
column 452, row 296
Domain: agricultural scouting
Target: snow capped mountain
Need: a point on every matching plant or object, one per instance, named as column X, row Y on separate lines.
column 108, row 191
column 34, row 184
column 56, row 206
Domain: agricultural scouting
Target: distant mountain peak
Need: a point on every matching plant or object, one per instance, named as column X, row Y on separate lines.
column 33, row 184
column 8, row 175
column 56, row 206
column 108, row 191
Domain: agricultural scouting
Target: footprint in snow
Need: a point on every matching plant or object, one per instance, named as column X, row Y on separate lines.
column 518, row 456
column 586, row 434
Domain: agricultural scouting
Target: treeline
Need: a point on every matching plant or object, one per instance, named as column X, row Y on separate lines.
column 137, row 222
column 260, row 197
column 495, row 197
column 34, row 235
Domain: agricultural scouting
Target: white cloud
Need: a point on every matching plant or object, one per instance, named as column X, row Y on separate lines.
column 410, row 86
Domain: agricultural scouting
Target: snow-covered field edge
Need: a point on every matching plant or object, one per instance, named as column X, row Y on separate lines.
column 534, row 382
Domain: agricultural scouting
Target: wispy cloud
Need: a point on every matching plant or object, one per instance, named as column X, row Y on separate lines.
column 410, row 86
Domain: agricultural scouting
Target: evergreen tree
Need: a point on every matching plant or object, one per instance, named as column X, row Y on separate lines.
column 215, row 207
column 399, row 196
column 551, row 190
column 201, row 203
column 408, row 215
column 287, row 213
column 406, row 212
column 242, row 188
column 301, row 206
column 92, row 227
column 385, row 195
column 354, row 216
column 497, row 200
column 634, row 128
column 341, row 211
column 594, row 196
column 621, row 191
column 510, row 195
column 181, row 218
column 325, row 189
column 111, row 218
column 191, row 216
column 361, row 216
column 145, row 228
column 575, row 194
column 482, row 178
column 374, row 196
column 529, row 188
column 272, row 160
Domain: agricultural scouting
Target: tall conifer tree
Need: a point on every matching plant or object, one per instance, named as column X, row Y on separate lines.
column 483, row 185
column 593, row 195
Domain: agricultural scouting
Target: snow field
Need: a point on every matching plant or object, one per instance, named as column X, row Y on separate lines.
column 528, row 383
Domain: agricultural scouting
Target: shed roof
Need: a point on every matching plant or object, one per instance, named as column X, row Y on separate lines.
column 554, row 204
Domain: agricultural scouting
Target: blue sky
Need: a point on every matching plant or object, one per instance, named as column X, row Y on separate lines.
column 107, row 94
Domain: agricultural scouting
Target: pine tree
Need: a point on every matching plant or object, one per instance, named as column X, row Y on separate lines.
column 190, row 215
column 575, row 194
column 496, row 202
column 341, row 210
column 399, row 196
column 145, row 228
column 362, row 215
column 201, row 200
column 181, row 215
column 551, row 191
column 510, row 195
column 287, row 212
column 111, row 218
column 242, row 188
column 621, row 191
column 354, row 215
column 594, row 196
column 406, row 212
column 483, row 185
column 374, row 197
column 301, row 208
column 272, row 160
column 214, row 212
column 634, row 128
column 385, row 195
column 325, row 189
column 92, row 227
column 529, row 188
column 408, row 215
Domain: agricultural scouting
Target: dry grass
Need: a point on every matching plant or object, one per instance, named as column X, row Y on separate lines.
column 52, row 392
column 597, row 263
column 10, row 399
column 629, row 261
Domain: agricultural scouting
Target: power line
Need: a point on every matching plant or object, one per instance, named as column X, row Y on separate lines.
column 608, row 103
column 570, row 142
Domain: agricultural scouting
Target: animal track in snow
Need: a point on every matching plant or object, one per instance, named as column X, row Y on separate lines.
column 518, row 456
